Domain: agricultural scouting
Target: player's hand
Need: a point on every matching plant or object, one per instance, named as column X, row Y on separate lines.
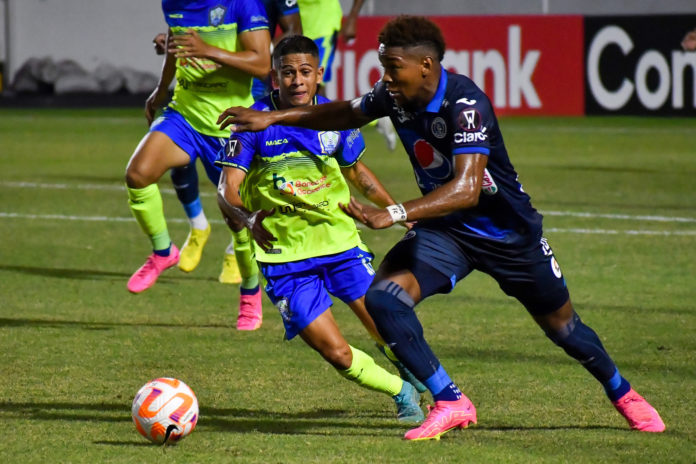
column 160, row 43
column 154, row 102
column 191, row 47
column 689, row 42
column 374, row 218
column 348, row 30
column 240, row 119
column 255, row 225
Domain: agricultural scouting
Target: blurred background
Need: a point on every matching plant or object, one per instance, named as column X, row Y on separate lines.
column 536, row 57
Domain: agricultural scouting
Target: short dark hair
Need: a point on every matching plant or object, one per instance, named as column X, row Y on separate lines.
column 412, row 31
column 294, row 44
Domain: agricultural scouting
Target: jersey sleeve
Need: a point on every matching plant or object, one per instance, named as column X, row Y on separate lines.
column 239, row 151
column 474, row 119
column 352, row 148
column 251, row 15
column 376, row 102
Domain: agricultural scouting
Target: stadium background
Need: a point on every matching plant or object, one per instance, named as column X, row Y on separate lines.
column 541, row 57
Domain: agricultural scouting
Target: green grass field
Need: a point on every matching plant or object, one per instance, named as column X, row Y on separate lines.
column 620, row 212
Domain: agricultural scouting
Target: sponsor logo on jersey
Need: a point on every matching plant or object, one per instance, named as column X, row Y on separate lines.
column 468, row 137
column 328, row 141
column 556, row 268
column 270, row 143
column 216, row 15
column 469, row 119
column 438, row 128
column 233, row 148
column 290, row 3
column 299, row 187
column 488, row 186
column 401, row 114
column 434, row 163
column 290, row 208
column 285, row 187
column 466, row 101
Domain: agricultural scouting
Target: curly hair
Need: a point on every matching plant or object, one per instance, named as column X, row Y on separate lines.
column 412, row 31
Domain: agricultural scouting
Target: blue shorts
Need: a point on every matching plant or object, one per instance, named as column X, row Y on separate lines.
column 439, row 258
column 327, row 51
column 300, row 289
column 197, row 145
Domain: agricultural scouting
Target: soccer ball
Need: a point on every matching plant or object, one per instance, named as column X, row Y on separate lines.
column 165, row 410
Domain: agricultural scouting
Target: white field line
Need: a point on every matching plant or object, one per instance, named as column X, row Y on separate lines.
column 61, row 217
column 171, row 191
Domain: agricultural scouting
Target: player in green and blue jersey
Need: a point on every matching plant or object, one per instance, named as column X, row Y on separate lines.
column 215, row 49
column 285, row 185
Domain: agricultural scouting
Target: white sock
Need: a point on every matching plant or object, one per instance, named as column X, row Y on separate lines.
column 199, row 222
column 230, row 248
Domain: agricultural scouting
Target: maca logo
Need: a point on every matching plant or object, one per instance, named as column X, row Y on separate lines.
column 272, row 143
column 285, row 187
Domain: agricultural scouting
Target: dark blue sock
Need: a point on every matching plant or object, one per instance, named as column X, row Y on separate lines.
column 185, row 180
column 164, row 252
column 616, row 387
column 583, row 344
column 248, row 291
column 392, row 310
column 442, row 387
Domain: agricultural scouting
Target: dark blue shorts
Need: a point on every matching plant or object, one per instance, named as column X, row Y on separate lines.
column 300, row 289
column 197, row 145
column 440, row 258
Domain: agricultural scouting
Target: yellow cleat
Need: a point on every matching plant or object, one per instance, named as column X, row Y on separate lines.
column 230, row 270
column 193, row 248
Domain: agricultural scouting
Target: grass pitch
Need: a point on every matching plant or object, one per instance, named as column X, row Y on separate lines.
column 619, row 203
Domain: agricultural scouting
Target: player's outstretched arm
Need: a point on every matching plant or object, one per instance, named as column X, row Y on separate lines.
column 235, row 214
column 254, row 59
column 349, row 27
column 462, row 192
column 328, row 116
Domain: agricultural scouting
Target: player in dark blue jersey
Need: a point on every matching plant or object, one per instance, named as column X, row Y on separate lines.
column 473, row 215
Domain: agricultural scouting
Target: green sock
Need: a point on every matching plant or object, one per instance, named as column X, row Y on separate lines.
column 366, row 373
column 389, row 353
column 146, row 205
column 246, row 260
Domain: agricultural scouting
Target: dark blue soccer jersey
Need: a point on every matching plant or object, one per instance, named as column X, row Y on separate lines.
column 459, row 120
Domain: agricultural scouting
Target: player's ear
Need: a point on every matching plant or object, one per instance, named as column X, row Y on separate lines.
column 320, row 75
column 274, row 78
column 426, row 65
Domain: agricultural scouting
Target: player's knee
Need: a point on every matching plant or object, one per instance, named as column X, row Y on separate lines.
column 385, row 300
column 136, row 177
column 339, row 357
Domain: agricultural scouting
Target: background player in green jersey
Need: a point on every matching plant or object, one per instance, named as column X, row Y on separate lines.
column 284, row 185
column 215, row 49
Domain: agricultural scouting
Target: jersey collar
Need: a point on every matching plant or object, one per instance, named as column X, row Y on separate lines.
column 436, row 102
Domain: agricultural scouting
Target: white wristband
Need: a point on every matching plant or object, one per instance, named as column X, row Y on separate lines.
column 397, row 212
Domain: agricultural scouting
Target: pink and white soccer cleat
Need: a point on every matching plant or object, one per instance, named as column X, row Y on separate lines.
column 445, row 416
column 147, row 275
column 250, row 311
column 638, row 412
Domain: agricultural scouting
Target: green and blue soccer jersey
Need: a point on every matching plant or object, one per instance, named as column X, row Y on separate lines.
column 202, row 95
column 297, row 172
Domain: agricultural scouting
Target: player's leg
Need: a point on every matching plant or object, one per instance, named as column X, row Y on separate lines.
column 154, row 155
column 297, row 290
column 542, row 290
column 185, row 181
column 403, row 279
column 323, row 335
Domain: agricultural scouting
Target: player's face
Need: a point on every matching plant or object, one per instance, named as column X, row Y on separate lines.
column 297, row 78
column 403, row 75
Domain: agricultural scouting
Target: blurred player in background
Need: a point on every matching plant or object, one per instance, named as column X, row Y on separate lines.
column 473, row 215
column 284, row 186
column 689, row 41
column 214, row 50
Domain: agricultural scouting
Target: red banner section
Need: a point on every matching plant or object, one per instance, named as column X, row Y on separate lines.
column 527, row 65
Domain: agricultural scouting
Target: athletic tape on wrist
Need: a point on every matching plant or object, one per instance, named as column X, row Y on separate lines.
column 397, row 212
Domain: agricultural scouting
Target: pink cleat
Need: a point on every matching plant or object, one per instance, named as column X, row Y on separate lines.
column 445, row 416
column 250, row 311
column 147, row 275
column 638, row 412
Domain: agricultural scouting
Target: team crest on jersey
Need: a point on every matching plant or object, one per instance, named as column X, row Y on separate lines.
column 434, row 163
column 438, row 128
column 328, row 141
column 216, row 15
column 470, row 120
column 556, row 268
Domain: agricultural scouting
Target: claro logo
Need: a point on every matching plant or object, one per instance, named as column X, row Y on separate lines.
column 669, row 71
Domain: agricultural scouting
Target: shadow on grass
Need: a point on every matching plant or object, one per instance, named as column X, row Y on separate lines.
column 92, row 274
column 94, row 325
